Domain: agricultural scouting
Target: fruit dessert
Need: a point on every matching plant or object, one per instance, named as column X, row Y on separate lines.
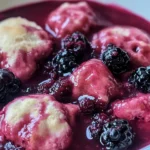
column 74, row 76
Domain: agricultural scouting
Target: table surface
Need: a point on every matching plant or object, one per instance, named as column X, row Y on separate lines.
column 138, row 6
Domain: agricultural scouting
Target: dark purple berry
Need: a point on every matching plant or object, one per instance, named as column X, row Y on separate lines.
column 72, row 53
column 77, row 42
column 100, row 105
column 98, row 121
column 117, row 135
column 61, row 89
column 140, row 78
column 14, row 87
column 9, row 85
column 65, row 61
column 116, row 59
column 101, row 118
column 29, row 90
column 87, row 104
column 44, row 86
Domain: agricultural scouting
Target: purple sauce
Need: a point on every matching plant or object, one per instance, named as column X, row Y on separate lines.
column 110, row 15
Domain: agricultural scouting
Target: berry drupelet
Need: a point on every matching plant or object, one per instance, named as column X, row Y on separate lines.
column 116, row 59
column 97, row 123
column 77, row 42
column 61, row 89
column 87, row 104
column 117, row 135
column 140, row 78
column 9, row 85
column 65, row 61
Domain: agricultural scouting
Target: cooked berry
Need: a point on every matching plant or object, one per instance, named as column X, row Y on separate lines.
column 98, row 121
column 117, row 135
column 61, row 89
column 65, row 61
column 72, row 53
column 95, row 129
column 101, row 117
column 10, row 146
column 44, row 86
column 100, row 105
column 9, row 84
column 87, row 104
column 14, row 87
column 53, row 75
column 77, row 42
column 116, row 59
column 140, row 78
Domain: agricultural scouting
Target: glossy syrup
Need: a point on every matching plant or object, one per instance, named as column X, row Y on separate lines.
column 109, row 15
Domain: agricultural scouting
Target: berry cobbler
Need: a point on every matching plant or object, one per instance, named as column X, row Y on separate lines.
column 74, row 76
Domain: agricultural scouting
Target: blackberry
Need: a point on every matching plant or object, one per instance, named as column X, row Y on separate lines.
column 117, row 135
column 97, row 123
column 9, row 85
column 116, row 59
column 101, row 118
column 61, row 89
column 65, row 61
column 140, row 78
column 100, row 105
column 77, row 42
column 44, row 86
column 72, row 53
column 87, row 104
column 95, row 129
